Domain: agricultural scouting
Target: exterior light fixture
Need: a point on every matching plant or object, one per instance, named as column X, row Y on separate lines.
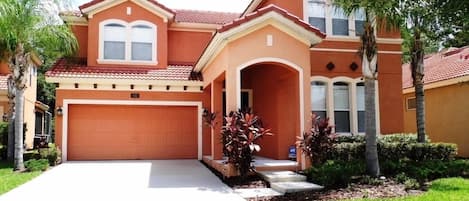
column 59, row 111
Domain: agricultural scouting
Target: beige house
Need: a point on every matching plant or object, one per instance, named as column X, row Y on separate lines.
column 31, row 106
column 446, row 98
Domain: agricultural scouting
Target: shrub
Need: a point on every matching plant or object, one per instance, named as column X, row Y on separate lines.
column 51, row 154
column 318, row 141
column 335, row 173
column 36, row 165
column 240, row 132
column 426, row 170
column 401, row 138
column 350, row 139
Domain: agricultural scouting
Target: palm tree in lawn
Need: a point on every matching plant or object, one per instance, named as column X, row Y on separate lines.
column 375, row 11
column 26, row 34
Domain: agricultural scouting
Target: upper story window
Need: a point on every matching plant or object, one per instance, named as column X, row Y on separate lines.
column 127, row 42
column 317, row 14
column 332, row 20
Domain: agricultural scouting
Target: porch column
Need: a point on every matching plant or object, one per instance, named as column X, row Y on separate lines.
column 232, row 90
column 217, row 88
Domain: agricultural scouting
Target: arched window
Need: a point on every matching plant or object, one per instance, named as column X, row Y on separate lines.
column 341, row 107
column 127, row 42
column 318, row 98
column 143, row 38
column 114, row 41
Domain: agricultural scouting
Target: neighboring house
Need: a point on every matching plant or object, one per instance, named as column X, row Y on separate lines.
column 446, row 84
column 146, row 72
column 31, row 106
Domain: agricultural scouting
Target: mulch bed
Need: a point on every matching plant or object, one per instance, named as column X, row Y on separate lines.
column 388, row 189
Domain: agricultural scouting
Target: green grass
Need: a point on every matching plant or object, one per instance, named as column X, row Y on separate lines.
column 10, row 180
column 449, row 189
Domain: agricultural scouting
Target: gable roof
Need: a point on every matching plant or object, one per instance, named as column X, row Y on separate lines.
column 310, row 33
column 445, row 65
column 206, row 17
column 95, row 6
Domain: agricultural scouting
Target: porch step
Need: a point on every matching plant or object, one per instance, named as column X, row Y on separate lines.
column 255, row 193
column 281, row 176
column 296, row 186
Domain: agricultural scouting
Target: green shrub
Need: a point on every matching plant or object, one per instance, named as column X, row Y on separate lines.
column 31, row 154
column 347, row 152
column 36, row 165
column 411, row 184
column 401, row 138
column 335, row 173
column 51, row 154
column 3, row 139
column 350, row 139
column 425, row 170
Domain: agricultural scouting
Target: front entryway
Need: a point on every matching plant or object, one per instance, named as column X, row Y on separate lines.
column 122, row 132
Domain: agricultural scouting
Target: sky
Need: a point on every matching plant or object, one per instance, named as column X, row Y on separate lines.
column 213, row 5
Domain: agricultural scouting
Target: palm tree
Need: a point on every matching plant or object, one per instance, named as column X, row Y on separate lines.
column 24, row 33
column 375, row 11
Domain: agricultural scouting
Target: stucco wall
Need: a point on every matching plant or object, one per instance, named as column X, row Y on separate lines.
column 447, row 112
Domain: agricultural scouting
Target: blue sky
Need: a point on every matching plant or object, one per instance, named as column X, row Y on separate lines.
column 214, row 5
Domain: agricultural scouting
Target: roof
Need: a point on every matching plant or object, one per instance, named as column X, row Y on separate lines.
column 207, row 17
column 3, row 82
column 77, row 68
column 266, row 14
column 268, row 9
column 94, row 2
column 444, row 65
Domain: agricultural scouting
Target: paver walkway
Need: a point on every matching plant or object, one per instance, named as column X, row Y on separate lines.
column 125, row 180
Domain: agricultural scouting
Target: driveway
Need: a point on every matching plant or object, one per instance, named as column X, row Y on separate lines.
column 125, row 180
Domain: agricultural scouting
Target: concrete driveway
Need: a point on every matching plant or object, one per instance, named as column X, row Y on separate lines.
column 125, row 180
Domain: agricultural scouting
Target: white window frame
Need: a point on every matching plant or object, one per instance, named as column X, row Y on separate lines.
column 128, row 43
column 353, row 112
column 329, row 15
column 407, row 103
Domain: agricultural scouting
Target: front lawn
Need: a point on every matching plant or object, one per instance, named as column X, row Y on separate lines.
column 456, row 189
column 10, row 180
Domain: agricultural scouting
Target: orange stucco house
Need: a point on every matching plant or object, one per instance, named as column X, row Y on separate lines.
column 146, row 72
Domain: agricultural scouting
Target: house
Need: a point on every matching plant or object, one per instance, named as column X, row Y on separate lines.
column 145, row 73
column 446, row 85
column 31, row 105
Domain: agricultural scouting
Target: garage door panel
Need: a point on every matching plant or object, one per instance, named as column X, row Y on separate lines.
column 99, row 132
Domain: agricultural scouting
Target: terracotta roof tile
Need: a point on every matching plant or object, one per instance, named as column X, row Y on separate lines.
column 3, row 82
column 267, row 9
column 208, row 17
column 74, row 69
column 445, row 65
column 94, row 2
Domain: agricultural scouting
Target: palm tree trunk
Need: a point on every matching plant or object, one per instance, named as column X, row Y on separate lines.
column 417, row 75
column 19, row 108
column 11, row 120
column 371, row 154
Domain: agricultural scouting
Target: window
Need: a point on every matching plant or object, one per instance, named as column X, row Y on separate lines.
column 317, row 15
column 341, row 107
column 339, row 22
column 318, row 98
column 142, row 38
column 360, row 18
column 114, row 41
column 361, row 107
column 128, row 42
column 411, row 103
column 332, row 20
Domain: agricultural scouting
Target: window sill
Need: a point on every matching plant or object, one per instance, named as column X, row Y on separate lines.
column 126, row 62
column 343, row 38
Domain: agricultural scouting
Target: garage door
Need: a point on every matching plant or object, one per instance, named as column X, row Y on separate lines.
column 119, row 132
